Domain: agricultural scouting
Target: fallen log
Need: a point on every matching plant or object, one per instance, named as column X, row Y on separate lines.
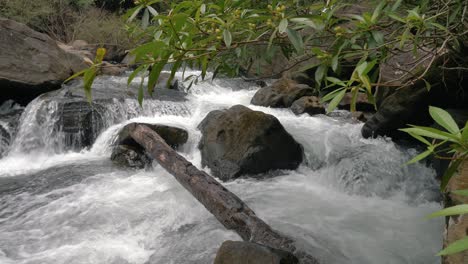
column 229, row 209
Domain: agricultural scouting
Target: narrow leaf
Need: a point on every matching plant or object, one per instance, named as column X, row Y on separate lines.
column 454, row 210
column 453, row 167
column 336, row 100
column 227, row 37
column 444, row 119
column 296, row 40
column 420, row 157
column 283, row 25
column 456, row 247
column 461, row 192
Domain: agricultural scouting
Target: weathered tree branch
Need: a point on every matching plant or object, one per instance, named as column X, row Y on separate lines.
column 229, row 209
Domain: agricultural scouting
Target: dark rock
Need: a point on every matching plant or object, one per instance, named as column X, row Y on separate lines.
column 173, row 136
column 240, row 141
column 410, row 104
column 362, row 104
column 128, row 153
column 81, row 122
column 308, row 104
column 281, row 93
column 362, row 116
column 10, row 114
column 236, row 252
column 31, row 63
column 130, row 156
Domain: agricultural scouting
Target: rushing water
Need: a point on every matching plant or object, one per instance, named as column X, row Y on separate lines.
column 351, row 201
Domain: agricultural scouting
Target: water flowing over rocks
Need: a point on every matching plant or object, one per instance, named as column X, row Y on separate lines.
column 31, row 63
column 281, row 94
column 234, row 252
column 10, row 113
column 129, row 153
column 239, row 141
column 65, row 120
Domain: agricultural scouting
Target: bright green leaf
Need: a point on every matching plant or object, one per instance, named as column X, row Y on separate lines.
column 455, row 247
column 336, row 100
column 444, row 119
column 454, row 210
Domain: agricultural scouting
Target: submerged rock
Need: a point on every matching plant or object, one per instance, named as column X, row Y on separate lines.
column 128, row 153
column 239, row 141
column 10, row 114
column 237, row 252
column 281, row 94
column 32, row 63
column 308, row 104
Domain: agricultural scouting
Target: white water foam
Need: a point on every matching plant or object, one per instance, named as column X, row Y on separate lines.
column 351, row 201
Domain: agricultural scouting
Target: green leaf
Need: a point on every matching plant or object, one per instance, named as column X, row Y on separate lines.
column 444, row 119
column 88, row 79
column 335, row 81
column 428, row 85
column 431, row 133
column 453, row 167
column 461, row 192
column 418, row 137
column 140, row 95
column 296, row 40
column 76, row 75
column 135, row 13
column 152, row 11
column 283, row 25
column 465, row 132
column 154, row 75
column 135, row 73
column 331, row 95
column 354, row 93
column 334, row 63
column 320, row 73
column 203, row 8
column 456, row 247
column 145, row 19
column 336, row 100
column 227, row 37
column 420, row 157
column 378, row 37
column 454, row 210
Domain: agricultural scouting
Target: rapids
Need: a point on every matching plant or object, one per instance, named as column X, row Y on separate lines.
column 351, row 201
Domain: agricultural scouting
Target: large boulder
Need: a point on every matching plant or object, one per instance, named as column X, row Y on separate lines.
column 281, row 94
column 239, row 141
column 237, row 252
column 31, row 63
column 409, row 104
column 128, row 153
column 308, row 104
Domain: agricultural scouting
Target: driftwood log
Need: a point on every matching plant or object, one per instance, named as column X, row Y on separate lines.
column 229, row 209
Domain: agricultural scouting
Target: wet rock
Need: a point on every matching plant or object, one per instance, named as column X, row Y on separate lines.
column 10, row 114
column 130, row 156
column 174, row 136
column 362, row 104
column 239, row 141
column 128, row 153
column 308, row 104
column 236, row 252
column 81, row 122
column 32, row 63
column 457, row 225
column 281, row 93
column 398, row 107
